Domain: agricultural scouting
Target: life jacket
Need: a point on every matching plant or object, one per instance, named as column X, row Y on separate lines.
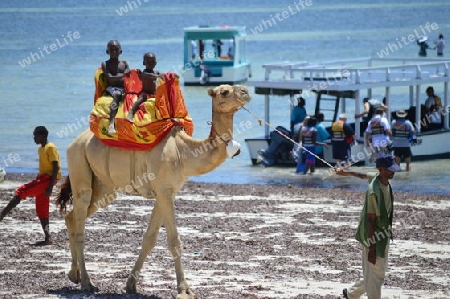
column 437, row 101
column 307, row 134
column 373, row 105
column 376, row 126
column 400, row 130
column 337, row 128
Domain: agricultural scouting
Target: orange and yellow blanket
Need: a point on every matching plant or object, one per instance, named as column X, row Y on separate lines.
column 152, row 121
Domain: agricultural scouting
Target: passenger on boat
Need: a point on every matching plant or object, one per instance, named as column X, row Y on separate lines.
column 114, row 70
column 370, row 106
column 148, row 78
column 309, row 143
column 298, row 113
column 378, row 134
column 219, row 45
column 202, row 49
column 322, row 134
column 205, row 73
column 230, row 46
column 402, row 134
column 422, row 43
column 193, row 49
column 342, row 138
column 433, row 107
column 298, row 152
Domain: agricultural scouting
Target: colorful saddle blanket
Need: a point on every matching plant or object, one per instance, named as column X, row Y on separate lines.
column 152, row 121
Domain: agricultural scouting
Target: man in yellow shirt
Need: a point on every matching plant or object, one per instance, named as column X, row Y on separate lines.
column 42, row 186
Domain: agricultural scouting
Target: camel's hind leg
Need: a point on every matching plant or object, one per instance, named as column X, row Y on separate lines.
column 102, row 196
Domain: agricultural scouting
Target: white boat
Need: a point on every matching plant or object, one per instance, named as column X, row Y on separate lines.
column 343, row 83
column 215, row 55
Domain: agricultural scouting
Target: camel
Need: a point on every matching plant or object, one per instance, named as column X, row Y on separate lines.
column 96, row 171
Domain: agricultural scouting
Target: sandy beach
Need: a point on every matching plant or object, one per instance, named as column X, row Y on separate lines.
column 240, row 241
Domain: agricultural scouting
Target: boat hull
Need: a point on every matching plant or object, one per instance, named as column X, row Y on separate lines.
column 433, row 145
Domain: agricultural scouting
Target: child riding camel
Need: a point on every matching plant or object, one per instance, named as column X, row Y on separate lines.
column 148, row 78
column 114, row 70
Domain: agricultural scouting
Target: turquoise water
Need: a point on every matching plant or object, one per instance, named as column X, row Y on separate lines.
column 50, row 50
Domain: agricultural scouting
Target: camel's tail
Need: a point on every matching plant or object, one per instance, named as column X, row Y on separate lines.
column 64, row 196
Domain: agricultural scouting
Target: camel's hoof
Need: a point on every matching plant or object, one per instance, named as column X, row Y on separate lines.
column 188, row 295
column 74, row 276
column 130, row 289
column 90, row 287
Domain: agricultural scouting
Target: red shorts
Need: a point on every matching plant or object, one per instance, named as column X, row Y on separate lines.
column 37, row 188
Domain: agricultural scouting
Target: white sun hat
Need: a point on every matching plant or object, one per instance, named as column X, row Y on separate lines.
column 423, row 38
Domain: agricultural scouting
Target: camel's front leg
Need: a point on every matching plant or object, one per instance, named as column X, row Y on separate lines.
column 74, row 273
column 175, row 247
column 80, row 207
column 148, row 243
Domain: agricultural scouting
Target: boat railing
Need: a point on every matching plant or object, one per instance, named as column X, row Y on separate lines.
column 347, row 74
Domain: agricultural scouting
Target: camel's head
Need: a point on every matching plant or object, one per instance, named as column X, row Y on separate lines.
column 227, row 98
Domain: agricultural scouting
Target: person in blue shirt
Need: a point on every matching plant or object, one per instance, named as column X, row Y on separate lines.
column 298, row 114
column 322, row 134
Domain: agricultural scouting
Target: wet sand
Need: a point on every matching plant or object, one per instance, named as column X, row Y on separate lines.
column 239, row 241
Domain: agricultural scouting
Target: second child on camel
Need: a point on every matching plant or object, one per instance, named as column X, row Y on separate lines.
column 148, row 78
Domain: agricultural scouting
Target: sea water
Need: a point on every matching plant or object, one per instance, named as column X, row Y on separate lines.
column 50, row 50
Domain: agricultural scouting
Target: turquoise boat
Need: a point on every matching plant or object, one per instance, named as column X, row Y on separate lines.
column 215, row 55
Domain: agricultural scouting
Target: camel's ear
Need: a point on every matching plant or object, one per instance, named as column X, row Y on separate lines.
column 211, row 92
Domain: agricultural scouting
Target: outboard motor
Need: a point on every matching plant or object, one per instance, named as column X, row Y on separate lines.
column 204, row 74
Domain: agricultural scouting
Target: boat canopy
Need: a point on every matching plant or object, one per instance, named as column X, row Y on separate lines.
column 213, row 32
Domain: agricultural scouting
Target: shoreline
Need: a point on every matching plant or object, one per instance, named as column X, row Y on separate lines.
column 256, row 189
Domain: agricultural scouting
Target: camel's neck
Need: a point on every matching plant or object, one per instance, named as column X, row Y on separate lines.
column 205, row 155
column 222, row 128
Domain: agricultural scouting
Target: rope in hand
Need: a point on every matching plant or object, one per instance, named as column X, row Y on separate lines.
column 260, row 120
column 342, row 168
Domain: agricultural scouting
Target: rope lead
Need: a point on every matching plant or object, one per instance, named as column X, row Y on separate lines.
column 261, row 121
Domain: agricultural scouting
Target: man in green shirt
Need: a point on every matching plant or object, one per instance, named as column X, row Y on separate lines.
column 374, row 228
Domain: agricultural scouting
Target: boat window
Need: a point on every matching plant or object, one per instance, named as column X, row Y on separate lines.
column 225, row 49
column 209, row 50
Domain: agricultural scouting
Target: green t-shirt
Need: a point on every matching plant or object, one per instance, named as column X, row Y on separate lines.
column 378, row 201
column 373, row 207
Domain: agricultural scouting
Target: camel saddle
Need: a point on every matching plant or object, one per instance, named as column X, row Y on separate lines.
column 152, row 121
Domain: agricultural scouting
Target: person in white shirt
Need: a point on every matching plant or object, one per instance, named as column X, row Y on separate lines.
column 378, row 133
column 403, row 132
